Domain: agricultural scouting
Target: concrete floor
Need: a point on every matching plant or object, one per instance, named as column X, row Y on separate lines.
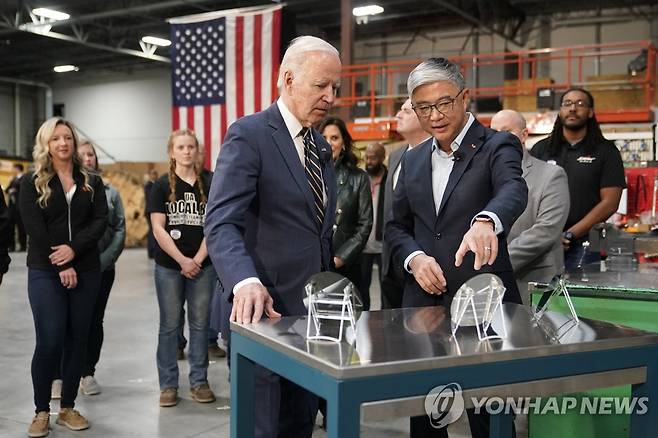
column 128, row 404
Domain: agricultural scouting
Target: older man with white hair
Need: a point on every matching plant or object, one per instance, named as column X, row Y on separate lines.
column 270, row 214
column 535, row 240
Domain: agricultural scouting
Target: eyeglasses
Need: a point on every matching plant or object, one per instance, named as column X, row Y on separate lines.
column 443, row 107
column 579, row 103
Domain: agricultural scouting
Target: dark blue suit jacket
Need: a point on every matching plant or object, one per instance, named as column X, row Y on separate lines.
column 260, row 220
column 486, row 177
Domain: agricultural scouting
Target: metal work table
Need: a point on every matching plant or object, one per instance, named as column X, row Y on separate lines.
column 402, row 354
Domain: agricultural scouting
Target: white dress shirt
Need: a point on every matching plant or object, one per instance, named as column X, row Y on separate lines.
column 442, row 164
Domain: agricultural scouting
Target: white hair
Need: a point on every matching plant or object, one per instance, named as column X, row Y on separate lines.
column 294, row 57
column 435, row 70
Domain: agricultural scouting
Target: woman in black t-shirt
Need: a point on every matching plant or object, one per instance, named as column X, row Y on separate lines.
column 183, row 272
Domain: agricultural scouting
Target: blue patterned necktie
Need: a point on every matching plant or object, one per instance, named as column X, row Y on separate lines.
column 313, row 173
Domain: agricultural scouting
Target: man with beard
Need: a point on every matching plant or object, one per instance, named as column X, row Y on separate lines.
column 372, row 252
column 594, row 170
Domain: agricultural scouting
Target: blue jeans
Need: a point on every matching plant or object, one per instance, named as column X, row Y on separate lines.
column 173, row 290
column 576, row 255
column 62, row 320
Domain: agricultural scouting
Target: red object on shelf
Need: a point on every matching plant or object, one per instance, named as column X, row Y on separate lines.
column 640, row 189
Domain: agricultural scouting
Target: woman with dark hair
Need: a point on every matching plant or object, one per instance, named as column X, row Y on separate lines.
column 353, row 206
column 110, row 247
column 65, row 214
column 183, row 271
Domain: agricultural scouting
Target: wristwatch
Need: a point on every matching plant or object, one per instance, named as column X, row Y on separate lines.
column 568, row 235
column 484, row 219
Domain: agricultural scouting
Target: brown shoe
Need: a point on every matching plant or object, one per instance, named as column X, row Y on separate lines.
column 202, row 393
column 40, row 425
column 72, row 419
column 168, row 397
column 215, row 352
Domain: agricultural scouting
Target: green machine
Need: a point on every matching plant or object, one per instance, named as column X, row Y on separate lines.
column 625, row 298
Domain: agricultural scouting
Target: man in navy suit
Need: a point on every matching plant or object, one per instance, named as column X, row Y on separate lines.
column 456, row 198
column 270, row 213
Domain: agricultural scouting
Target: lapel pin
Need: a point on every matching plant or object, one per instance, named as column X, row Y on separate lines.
column 472, row 146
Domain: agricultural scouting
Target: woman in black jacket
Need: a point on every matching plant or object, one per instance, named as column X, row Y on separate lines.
column 65, row 215
column 353, row 207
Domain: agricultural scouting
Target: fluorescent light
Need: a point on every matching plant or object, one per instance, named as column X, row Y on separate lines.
column 65, row 68
column 156, row 41
column 50, row 13
column 363, row 11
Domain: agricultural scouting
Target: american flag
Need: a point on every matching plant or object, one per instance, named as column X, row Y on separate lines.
column 224, row 66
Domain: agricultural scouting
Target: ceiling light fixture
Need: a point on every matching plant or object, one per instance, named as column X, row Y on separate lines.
column 51, row 13
column 65, row 68
column 156, row 41
column 363, row 11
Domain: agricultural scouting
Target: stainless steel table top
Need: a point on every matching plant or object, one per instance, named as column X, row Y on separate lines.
column 415, row 339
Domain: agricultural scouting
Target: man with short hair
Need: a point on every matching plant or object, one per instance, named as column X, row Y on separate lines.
column 594, row 168
column 392, row 274
column 534, row 243
column 372, row 252
column 456, row 199
column 270, row 214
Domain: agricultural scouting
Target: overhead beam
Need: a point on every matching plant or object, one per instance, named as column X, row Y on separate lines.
column 68, row 38
column 476, row 21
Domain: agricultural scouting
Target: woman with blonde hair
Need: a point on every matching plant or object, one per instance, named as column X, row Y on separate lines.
column 65, row 214
column 183, row 271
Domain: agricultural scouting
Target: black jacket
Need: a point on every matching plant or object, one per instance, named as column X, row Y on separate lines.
column 80, row 226
column 353, row 212
column 5, row 235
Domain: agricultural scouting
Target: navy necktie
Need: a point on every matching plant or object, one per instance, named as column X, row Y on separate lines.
column 313, row 173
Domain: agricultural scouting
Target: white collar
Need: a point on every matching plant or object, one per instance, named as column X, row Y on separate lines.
column 458, row 140
column 293, row 125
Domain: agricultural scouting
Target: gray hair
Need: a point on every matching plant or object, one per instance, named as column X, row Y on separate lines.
column 294, row 57
column 435, row 70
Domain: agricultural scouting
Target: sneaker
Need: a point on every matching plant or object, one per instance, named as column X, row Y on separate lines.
column 89, row 386
column 181, row 353
column 56, row 389
column 215, row 352
column 72, row 419
column 168, row 397
column 202, row 393
column 40, row 425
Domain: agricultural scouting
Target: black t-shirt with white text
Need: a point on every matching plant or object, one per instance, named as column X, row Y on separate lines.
column 586, row 174
column 184, row 218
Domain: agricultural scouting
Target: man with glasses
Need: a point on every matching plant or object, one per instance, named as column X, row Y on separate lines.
column 456, row 198
column 594, row 170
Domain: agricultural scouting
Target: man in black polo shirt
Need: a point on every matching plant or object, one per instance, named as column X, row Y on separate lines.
column 594, row 169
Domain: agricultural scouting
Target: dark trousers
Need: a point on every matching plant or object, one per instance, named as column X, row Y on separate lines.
column 353, row 274
column 17, row 225
column 151, row 243
column 62, row 319
column 283, row 409
column 392, row 288
column 367, row 260
column 96, row 333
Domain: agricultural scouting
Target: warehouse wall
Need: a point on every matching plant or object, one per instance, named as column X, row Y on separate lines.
column 127, row 115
